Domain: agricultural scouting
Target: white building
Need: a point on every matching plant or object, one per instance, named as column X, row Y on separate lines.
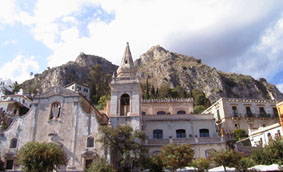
column 80, row 88
column 238, row 113
column 263, row 135
column 60, row 116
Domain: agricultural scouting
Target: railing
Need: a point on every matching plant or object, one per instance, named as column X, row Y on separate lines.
column 250, row 115
column 264, row 115
column 177, row 117
column 195, row 140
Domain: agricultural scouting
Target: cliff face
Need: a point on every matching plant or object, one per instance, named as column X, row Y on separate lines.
column 77, row 71
column 161, row 66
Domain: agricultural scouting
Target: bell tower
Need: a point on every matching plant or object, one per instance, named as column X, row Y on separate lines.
column 125, row 89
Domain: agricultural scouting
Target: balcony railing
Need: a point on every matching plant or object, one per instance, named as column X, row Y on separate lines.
column 250, row 115
column 265, row 115
column 195, row 140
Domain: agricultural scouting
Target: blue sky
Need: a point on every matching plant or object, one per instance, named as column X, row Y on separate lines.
column 234, row 36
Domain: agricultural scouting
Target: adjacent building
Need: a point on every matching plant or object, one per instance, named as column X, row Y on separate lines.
column 280, row 112
column 263, row 135
column 80, row 88
column 241, row 113
column 60, row 116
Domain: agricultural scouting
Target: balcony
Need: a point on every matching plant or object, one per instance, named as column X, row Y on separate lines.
column 195, row 140
column 236, row 116
column 264, row 115
column 250, row 115
column 174, row 117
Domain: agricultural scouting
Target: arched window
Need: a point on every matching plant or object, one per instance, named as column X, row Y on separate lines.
column 90, row 142
column 181, row 133
column 161, row 113
column 157, row 134
column 181, row 112
column 204, row 133
column 124, row 104
column 13, row 143
column 55, row 110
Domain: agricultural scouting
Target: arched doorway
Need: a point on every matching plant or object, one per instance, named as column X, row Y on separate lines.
column 124, row 105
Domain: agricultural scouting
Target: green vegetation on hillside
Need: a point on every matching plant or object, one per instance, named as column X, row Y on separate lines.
column 99, row 86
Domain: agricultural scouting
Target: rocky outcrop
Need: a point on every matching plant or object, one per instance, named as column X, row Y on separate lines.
column 77, row 71
column 161, row 66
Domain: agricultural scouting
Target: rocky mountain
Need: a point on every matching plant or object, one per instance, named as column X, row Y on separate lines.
column 161, row 66
column 74, row 71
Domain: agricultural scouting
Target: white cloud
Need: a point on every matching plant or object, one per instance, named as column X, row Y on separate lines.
column 280, row 87
column 171, row 24
column 142, row 23
column 19, row 68
column 10, row 13
column 9, row 42
column 264, row 59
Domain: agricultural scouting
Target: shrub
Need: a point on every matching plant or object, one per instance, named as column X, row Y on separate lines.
column 100, row 165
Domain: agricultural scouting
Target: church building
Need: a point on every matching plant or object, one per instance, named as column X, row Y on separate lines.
column 164, row 121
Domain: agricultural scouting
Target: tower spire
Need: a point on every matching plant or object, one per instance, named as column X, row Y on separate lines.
column 127, row 68
column 127, row 59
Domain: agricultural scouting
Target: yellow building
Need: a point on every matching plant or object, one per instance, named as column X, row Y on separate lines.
column 280, row 112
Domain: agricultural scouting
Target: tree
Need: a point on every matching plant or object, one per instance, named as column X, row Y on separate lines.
column 164, row 91
column 41, row 157
column 201, row 164
column 103, row 102
column 239, row 134
column 200, row 98
column 99, row 83
column 226, row 158
column 198, row 109
column 176, row 156
column 100, row 165
column 244, row 164
column 154, row 163
column 16, row 87
column 125, row 145
column 272, row 153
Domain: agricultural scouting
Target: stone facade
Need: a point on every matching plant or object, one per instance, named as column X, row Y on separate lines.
column 167, row 106
column 60, row 116
column 236, row 113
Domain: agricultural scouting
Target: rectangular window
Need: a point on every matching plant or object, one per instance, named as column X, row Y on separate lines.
column 9, row 164
column 275, row 112
column 261, row 110
column 85, row 90
column 249, row 111
column 218, row 114
column 235, row 110
column 79, row 88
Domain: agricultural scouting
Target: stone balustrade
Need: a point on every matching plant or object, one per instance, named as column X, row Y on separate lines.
column 195, row 140
column 186, row 117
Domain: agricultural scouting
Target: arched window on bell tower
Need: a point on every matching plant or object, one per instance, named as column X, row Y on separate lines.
column 124, row 105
